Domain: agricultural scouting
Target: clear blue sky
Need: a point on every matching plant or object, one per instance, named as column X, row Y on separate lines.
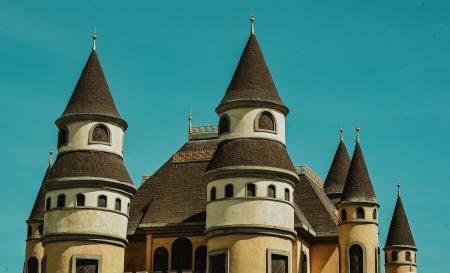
column 382, row 64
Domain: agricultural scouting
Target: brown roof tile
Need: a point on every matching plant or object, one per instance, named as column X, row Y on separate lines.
column 37, row 213
column 399, row 231
column 90, row 163
column 335, row 181
column 358, row 186
column 252, row 83
column 251, row 152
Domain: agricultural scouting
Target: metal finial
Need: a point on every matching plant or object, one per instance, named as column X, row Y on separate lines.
column 94, row 37
column 342, row 134
column 50, row 159
column 252, row 22
column 398, row 188
column 357, row 134
column 190, row 119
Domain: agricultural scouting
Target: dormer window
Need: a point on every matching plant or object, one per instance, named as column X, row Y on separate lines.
column 62, row 137
column 100, row 135
column 265, row 122
column 224, row 124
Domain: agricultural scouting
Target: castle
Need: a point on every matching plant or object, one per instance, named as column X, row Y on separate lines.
column 230, row 200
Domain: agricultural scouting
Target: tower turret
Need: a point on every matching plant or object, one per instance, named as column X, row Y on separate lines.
column 335, row 181
column 400, row 248
column 358, row 219
column 250, row 210
column 34, row 251
column 88, row 189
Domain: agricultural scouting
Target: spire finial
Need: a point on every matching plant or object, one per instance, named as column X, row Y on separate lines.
column 252, row 22
column 398, row 188
column 342, row 134
column 357, row 134
column 190, row 119
column 50, row 159
column 94, row 37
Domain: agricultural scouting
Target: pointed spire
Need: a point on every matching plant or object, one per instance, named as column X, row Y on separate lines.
column 358, row 186
column 94, row 37
column 399, row 231
column 398, row 188
column 252, row 84
column 190, row 119
column 91, row 95
column 335, row 181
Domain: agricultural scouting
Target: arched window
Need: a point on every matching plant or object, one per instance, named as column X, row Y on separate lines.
column 266, row 122
column 304, row 262
column 343, row 215
column 200, row 260
column 61, row 201
column 213, row 194
column 250, row 190
column 80, row 200
column 29, row 231
column 224, row 124
column 44, row 264
column 100, row 134
column 48, row 203
column 356, row 259
column 394, row 256
column 32, row 265
column 102, row 201
column 128, row 208
column 374, row 214
column 62, row 137
column 118, row 204
column 407, row 256
column 41, row 230
column 181, row 255
column 161, row 260
column 229, row 190
column 360, row 213
column 287, row 195
column 271, row 191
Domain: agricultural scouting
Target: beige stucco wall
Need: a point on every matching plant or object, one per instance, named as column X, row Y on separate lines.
column 248, row 253
column 365, row 234
column 33, row 248
column 78, row 137
column 59, row 256
column 242, row 121
column 324, row 258
column 401, row 265
column 299, row 247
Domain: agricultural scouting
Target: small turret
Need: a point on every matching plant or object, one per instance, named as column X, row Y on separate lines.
column 335, row 181
column 400, row 248
column 358, row 219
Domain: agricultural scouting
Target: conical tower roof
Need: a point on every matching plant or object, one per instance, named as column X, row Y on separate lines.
column 358, row 187
column 399, row 231
column 335, row 181
column 91, row 95
column 37, row 212
column 252, row 84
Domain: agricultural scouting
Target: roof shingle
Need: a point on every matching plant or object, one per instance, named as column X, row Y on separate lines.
column 399, row 231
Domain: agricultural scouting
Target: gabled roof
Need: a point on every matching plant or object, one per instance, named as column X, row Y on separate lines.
column 92, row 94
column 252, row 84
column 358, row 187
column 176, row 192
column 37, row 213
column 335, row 181
column 399, row 231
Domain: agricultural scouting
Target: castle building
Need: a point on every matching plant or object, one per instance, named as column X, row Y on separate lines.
column 230, row 200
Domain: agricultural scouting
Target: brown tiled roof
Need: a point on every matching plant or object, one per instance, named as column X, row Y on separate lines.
column 399, row 232
column 37, row 213
column 92, row 94
column 335, row 181
column 252, row 82
column 176, row 193
column 316, row 206
column 358, row 186
column 251, row 152
column 90, row 163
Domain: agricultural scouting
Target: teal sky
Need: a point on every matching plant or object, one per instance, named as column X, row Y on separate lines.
column 384, row 65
